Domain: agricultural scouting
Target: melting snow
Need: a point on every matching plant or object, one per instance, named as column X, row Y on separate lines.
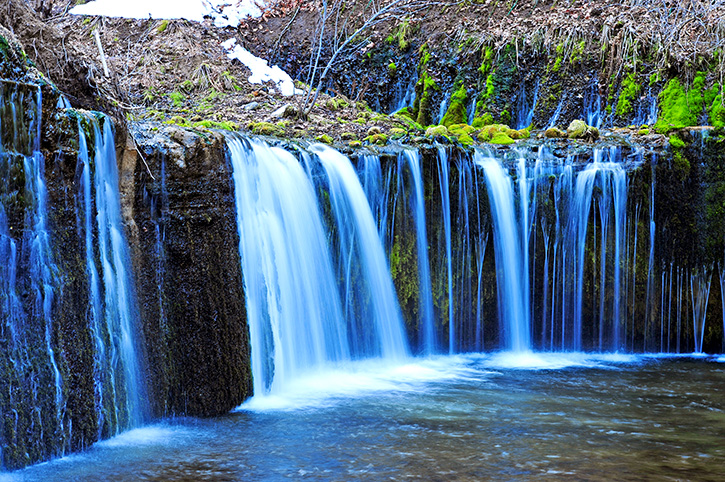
column 225, row 13
column 261, row 71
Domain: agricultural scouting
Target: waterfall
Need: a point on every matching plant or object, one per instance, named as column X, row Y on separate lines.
column 428, row 334
column 700, row 288
column 358, row 238
column 446, row 209
column 112, row 313
column 300, row 319
column 511, row 271
column 524, row 109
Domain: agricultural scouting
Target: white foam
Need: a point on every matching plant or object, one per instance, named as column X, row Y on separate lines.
column 554, row 361
column 357, row 379
column 151, row 435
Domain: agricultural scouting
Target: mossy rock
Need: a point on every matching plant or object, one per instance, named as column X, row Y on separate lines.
column 348, row 136
column 458, row 129
column 501, row 138
column 438, row 131
column 397, row 133
column 377, row 139
column 643, row 132
column 265, row 129
column 465, row 139
column 354, row 144
column 324, row 138
column 577, row 129
column 374, row 130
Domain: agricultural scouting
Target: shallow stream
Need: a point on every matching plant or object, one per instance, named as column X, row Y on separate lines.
column 473, row 417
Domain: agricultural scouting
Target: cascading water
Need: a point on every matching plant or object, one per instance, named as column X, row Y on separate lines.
column 700, row 281
column 428, row 335
column 112, row 316
column 298, row 323
column 446, row 209
column 373, row 292
column 525, row 108
column 511, row 271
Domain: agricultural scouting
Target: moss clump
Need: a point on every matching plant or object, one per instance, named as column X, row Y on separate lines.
column 499, row 134
column 630, row 90
column 397, row 133
column 456, row 113
column 643, row 132
column 427, row 87
column 392, row 68
column 458, row 129
column 177, row 98
column 681, row 108
column 336, row 103
column 265, row 129
column 377, row 139
column 486, row 61
column 348, row 136
column 354, row 144
column 438, row 131
column 501, row 138
column 485, row 120
column 554, row 133
column 210, row 124
column 717, row 112
column 577, row 129
column 324, row 138
column 676, row 142
column 465, row 139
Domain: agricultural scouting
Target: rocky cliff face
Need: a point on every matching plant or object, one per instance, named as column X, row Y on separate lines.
column 188, row 271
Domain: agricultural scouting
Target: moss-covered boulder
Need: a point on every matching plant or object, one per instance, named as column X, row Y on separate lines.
column 578, row 129
column 437, row 132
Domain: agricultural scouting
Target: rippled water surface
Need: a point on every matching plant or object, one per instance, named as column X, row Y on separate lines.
column 478, row 417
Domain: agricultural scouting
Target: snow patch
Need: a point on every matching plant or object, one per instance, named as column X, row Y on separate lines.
column 224, row 13
column 261, row 71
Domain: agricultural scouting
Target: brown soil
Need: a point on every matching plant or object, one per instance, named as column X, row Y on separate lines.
column 151, row 59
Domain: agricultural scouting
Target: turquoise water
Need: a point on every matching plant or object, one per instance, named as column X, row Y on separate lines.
column 474, row 417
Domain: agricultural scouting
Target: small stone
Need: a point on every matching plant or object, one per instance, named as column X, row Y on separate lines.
column 250, row 106
column 280, row 112
column 374, row 130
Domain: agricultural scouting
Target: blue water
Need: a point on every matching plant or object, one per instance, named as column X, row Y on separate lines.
column 476, row 417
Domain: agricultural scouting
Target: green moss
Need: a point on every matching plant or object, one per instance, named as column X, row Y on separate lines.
column 354, row 144
column 456, row 113
column 717, row 112
column 177, row 98
column 505, row 116
column 643, row 132
column 164, row 24
column 654, row 78
column 436, row 131
column 465, row 139
column 347, row 136
column 377, row 139
column 680, row 108
column 630, row 90
column 265, row 129
column 392, row 69
column 485, row 120
column 486, row 61
column 397, row 133
column 501, row 138
column 324, row 138
column 424, row 56
column 577, row 52
column 210, row 124
column 427, row 87
column 676, row 142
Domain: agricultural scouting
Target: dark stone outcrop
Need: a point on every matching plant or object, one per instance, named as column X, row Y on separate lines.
column 188, row 271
